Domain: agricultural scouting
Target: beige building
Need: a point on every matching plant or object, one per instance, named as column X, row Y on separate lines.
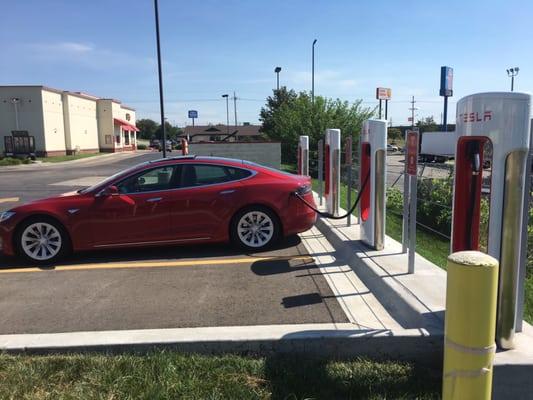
column 213, row 133
column 64, row 122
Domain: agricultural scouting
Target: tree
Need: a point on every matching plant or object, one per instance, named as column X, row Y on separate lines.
column 147, row 128
column 287, row 115
column 394, row 134
column 171, row 131
column 427, row 124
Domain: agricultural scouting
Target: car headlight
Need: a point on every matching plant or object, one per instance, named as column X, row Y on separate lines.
column 4, row 216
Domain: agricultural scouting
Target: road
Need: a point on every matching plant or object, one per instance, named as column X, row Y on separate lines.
column 31, row 182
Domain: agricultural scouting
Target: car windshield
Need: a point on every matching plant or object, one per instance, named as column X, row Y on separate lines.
column 110, row 179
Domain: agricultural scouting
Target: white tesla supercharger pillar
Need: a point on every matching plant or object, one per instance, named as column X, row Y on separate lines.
column 494, row 124
column 332, row 170
column 373, row 170
column 303, row 156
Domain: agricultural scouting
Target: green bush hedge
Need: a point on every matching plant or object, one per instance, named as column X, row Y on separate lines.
column 142, row 147
column 13, row 161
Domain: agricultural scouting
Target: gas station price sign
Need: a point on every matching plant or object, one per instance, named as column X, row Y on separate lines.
column 412, row 152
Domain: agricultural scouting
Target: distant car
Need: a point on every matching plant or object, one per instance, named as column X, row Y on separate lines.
column 392, row 148
column 180, row 200
column 168, row 148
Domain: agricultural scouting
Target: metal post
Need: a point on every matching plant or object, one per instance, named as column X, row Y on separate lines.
column 313, row 73
column 445, row 120
column 386, row 109
column 512, row 83
column 277, row 80
column 379, row 108
column 227, row 114
column 235, row 108
column 15, row 103
column 320, row 169
column 405, row 221
column 164, row 144
column 348, row 163
column 412, row 222
column 523, row 247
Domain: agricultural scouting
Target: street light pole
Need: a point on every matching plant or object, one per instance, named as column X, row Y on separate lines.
column 164, row 144
column 227, row 112
column 512, row 72
column 313, row 73
column 277, row 71
column 235, row 108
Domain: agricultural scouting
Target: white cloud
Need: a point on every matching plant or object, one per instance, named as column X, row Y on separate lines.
column 64, row 47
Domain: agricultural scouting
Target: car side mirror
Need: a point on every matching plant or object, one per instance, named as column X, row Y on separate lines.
column 110, row 191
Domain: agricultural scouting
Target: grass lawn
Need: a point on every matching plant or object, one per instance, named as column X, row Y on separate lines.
column 55, row 159
column 169, row 375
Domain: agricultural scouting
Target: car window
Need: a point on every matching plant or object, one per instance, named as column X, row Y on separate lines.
column 153, row 180
column 204, row 174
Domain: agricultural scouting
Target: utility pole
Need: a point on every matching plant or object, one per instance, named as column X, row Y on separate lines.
column 412, row 109
column 164, row 144
column 235, row 108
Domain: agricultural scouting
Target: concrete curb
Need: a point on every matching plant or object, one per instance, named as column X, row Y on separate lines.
column 339, row 341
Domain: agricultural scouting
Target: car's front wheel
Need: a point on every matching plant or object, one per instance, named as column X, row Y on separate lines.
column 255, row 228
column 41, row 240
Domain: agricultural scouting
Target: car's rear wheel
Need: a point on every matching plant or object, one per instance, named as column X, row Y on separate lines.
column 41, row 240
column 255, row 228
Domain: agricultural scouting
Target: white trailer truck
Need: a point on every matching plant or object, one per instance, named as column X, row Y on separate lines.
column 437, row 146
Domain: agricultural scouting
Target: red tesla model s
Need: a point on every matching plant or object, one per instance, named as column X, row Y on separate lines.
column 176, row 200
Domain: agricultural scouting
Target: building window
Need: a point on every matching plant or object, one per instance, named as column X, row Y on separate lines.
column 117, row 139
column 128, row 117
column 126, row 138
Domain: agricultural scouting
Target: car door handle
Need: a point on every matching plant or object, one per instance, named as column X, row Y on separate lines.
column 227, row 191
column 154, row 199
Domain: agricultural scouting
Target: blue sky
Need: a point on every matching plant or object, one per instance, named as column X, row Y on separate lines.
column 107, row 48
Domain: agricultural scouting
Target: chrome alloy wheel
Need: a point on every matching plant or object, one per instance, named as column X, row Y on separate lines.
column 255, row 229
column 41, row 241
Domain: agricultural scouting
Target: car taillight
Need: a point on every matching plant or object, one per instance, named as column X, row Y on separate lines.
column 303, row 190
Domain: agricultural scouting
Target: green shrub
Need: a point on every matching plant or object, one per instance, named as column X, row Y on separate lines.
column 141, row 147
column 435, row 204
column 10, row 161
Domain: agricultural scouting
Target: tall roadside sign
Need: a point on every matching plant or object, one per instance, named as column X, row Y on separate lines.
column 446, row 90
column 193, row 114
column 383, row 94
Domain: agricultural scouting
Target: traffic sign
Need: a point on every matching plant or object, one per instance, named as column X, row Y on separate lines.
column 412, row 152
column 193, row 114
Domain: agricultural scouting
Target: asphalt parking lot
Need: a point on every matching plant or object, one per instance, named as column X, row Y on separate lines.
column 163, row 287
column 170, row 287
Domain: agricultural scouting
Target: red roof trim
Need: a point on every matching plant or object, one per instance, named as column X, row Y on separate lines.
column 125, row 125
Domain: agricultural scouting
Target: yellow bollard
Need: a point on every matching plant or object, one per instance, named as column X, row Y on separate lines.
column 470, row 323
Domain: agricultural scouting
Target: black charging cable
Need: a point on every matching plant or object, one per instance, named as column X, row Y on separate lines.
column 329, row 215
